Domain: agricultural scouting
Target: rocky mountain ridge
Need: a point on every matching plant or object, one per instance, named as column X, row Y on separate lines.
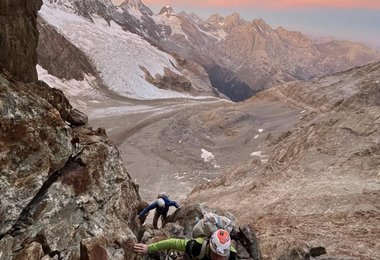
column 261, row 56
column 253, row 55
column 316, row 184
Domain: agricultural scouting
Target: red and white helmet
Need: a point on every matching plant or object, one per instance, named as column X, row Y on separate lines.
column 220, row 242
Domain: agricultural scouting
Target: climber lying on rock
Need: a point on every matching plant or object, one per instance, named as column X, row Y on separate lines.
column 218, row 247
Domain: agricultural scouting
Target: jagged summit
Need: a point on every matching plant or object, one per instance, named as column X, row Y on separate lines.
column 228, row 22
column 168, row 10
column 192, row 16
column 215, row 18
column 136, row 5
column 261, row 26
column 260, row 22
column 234, row 17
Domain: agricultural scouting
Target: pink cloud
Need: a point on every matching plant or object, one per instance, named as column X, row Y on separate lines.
column 270, row 4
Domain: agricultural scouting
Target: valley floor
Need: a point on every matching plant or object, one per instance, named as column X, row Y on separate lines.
column 300, row 177
column 161, row 142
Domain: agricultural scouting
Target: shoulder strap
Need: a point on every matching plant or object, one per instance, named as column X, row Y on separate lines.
column 203, row 249
column 218, row 225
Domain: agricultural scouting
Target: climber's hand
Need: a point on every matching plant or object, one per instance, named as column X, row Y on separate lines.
column 141, row 248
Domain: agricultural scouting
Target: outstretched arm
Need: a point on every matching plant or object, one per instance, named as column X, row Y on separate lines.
column 150, row 207
column 171, row 243
column 173, row 203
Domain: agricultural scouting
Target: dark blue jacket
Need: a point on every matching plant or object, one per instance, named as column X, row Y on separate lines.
column 160, row 210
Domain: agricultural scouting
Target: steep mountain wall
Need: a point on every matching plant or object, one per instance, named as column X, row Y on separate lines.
column 65, row 189
column 19, row 37
column 60, row 57
column 65, row 193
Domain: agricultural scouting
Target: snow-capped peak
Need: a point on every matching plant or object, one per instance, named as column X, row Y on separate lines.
column 136, row 6
column 167, row 10
column 134, row 3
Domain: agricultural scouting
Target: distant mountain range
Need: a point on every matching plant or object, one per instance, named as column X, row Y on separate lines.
column 238, row 54
column 240, row 57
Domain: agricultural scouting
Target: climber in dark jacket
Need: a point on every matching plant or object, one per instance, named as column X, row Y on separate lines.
column 161, row 205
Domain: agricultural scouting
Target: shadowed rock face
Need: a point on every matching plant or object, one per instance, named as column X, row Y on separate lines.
column 227, row 83
column 19, row 37
column 64, row 190
column 60, row 57
column 34, row 143
column 169, row 80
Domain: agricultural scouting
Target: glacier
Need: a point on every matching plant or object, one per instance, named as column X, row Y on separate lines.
column 117, row 54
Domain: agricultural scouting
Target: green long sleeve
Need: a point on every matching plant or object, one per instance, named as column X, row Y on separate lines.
column 172, row 243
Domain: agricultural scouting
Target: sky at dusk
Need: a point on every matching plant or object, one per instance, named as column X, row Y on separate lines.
column 357, row 20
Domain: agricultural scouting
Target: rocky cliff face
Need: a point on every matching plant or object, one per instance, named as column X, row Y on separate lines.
column 65, row 191
column 19, row 37
column 193, row 79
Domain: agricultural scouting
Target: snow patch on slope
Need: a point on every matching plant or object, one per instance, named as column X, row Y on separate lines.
column 222, row 34
column 258, row 153
column 172, row 21
column 207, row 156
column 117, row 54
column 175, row 24
column 134, row 11
column 69, row 87
column 211, row 34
